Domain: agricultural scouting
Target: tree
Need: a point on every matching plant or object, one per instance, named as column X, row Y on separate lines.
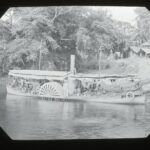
column 143, row 23
column 28, row 32
column 62, row 31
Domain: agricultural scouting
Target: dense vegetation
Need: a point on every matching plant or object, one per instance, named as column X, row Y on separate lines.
column 61, row 31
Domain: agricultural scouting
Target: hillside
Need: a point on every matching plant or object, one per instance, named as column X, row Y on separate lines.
column 132, row 65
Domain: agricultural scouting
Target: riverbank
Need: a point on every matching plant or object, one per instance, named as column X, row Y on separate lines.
column 3, row 81
column 131, row 65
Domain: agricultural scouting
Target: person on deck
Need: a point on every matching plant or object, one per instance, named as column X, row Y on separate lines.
column 26, row 86
column 93, row 87
column 65, row 87
column 14, row 82
column 21, row 84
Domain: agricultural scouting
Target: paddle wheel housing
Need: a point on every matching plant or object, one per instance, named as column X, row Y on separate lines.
column 51, row 89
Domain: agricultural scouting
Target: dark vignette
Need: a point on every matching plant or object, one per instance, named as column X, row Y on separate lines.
column 7, row 142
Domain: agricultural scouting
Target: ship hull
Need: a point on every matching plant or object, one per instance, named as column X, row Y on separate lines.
column 102, row 98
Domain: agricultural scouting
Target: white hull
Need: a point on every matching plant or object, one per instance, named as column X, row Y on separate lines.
column 102, row 99
column 114, row 100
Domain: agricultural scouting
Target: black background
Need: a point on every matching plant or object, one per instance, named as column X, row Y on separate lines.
column 5, row 140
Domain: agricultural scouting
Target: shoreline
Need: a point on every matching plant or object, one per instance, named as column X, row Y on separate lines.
column 3, row 90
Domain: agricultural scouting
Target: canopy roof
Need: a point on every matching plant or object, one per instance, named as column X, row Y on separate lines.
column 135, row 49
column 39, row 74
column 96, row 76
column 146, row 50
column 146, row 43
column 59, row 75
column 138, row 49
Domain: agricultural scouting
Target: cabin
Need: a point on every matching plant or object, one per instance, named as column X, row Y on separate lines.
column 117, row 55
column 134, row 51
column 145, row 47
column 142, row 51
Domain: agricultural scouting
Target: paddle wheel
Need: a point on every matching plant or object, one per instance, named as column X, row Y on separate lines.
column 51, row 89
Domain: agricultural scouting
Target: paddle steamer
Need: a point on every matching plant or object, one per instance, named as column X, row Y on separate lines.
column 61, row 85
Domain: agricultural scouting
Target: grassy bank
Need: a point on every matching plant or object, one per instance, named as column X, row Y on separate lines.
column 132, row 65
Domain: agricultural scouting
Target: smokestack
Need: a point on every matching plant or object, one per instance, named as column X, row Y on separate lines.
column 72, row 63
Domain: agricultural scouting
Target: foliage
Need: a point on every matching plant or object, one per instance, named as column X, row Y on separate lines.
column 143, row 24
column 59, row 32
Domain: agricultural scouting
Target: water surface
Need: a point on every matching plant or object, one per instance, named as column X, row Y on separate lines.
column 28, row 118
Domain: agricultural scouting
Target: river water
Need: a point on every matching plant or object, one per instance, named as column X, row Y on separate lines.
column 28, row 118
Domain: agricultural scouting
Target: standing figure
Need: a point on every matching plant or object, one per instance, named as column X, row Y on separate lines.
column 27, row 86
column 21, row 85
column 65, row 87
column 13, row 82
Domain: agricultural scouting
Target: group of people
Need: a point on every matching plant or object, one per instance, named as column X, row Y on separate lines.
column 95, row 87
column 22, row 84
column 87, row 87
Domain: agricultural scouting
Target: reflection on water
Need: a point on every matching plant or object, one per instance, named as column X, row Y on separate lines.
column 28, row 118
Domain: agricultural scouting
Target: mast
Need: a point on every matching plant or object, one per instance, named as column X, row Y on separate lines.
column 72, row 63
column 40, row 56
column 99, row 51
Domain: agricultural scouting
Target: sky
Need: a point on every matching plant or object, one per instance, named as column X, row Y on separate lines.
column 126, row 14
